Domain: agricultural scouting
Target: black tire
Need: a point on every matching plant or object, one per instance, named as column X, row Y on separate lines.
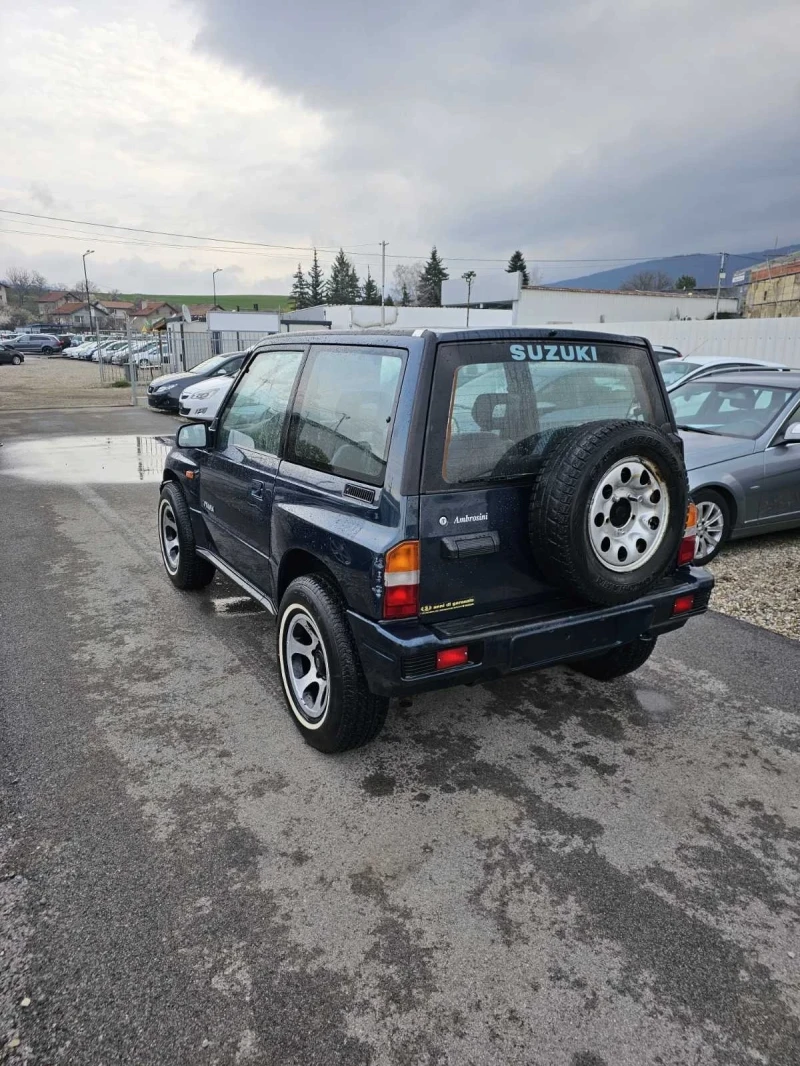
column 716, row 500
column 617, row 662
column 351, row 715
column 47, row 350
column 16, row 359
column 572, row 472
column 189, row 570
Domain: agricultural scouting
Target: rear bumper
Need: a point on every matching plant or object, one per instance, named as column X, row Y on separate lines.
column 401, row 659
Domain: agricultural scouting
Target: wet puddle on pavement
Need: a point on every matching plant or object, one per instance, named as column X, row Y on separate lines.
column 86, row 460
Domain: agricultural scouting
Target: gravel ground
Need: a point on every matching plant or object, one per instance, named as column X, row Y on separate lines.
column 41, row 382
column 757, row 581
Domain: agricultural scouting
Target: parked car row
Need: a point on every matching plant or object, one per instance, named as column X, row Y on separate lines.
column 115, row 350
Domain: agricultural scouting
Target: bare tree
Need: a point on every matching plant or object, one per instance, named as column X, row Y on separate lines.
column 408, row 276
column 648, row 281
column 25, row 284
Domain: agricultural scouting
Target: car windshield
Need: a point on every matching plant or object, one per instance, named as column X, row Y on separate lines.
column 672, row 370
column 208, row 364
column 734, row 410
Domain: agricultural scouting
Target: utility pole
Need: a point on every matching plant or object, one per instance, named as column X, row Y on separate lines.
column 383, row 283
column 469, row 277
column 214, row 282
column 86, row 280
column 719, row 281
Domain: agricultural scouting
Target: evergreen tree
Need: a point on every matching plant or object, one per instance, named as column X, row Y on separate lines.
column 299, row 293
column 405, row 299
column 339, row 289
column 316, row 284
column 686, row 283
column 430, row 284
column 517, row 265
column 353, row 286
column 371, row 294
column 389, row 302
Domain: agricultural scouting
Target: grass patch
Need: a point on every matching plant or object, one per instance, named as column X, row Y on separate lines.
column 228, row 303
column 121, row 384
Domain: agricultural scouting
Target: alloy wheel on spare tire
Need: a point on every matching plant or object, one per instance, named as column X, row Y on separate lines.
column 608, row 510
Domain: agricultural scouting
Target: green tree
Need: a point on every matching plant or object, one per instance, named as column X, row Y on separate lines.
column 405, row 299
column 299, row 293
column 339, row 289
column 389, row 302
column 517, row 265
column 316, row 283
column 686, row 283
column 429, row 293
column 371, row 295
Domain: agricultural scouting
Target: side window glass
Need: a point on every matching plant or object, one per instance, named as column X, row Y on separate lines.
column 254, row 418
column 342, row 421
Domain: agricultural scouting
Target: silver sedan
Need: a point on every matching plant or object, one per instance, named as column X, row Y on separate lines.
column 741, row 434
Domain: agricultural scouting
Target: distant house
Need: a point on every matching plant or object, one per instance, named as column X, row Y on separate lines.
column 773, row 289
column 3, row 294
column 76, row 313
column 118, row 309
column 52, row 301
column 151, row 311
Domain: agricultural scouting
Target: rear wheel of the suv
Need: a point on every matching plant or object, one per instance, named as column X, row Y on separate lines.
column 618, row 661
column 608, row 511
column 47, row 350
column 321, row 673
column 185, row 568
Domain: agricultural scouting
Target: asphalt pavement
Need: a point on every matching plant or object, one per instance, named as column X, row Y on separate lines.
column 543, row 870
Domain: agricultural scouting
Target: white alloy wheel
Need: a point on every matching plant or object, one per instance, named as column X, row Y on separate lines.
column 168, row 537
column 629, row 514
column 304, row 666
column 710, row 528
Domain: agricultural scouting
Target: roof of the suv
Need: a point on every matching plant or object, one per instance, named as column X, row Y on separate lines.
column 512, row 333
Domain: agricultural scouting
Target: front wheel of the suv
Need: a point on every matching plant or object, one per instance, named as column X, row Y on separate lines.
column 321, row 672
column 619, row 661
column 185, row 568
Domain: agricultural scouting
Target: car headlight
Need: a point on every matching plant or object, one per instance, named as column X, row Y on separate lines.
column 161, row 388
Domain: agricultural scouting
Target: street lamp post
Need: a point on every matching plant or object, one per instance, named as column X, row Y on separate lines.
column 214, row 282
column 469, row 277
column 86, row 279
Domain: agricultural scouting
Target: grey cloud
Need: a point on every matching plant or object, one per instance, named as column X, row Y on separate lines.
column 591, row 126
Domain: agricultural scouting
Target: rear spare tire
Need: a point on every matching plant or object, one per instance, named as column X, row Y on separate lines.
column 608, row 510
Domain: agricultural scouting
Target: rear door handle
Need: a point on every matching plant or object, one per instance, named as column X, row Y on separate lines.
column 257, row 490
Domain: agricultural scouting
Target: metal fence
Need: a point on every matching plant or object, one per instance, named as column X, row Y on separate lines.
column 187, row 349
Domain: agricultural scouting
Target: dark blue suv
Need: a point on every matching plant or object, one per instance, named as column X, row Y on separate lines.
column 433, row 508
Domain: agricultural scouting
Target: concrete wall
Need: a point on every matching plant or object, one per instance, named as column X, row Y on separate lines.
column 773, row 297
column 356, row 316
column 544, row 307
column 777, row 339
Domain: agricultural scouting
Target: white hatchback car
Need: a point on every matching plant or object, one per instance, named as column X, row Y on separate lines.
column 202, row 400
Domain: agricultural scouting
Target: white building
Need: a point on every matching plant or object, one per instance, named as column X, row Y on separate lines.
column 543, row 306
column 364, row 317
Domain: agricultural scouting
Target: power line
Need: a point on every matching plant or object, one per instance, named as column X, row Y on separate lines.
column 301, row 248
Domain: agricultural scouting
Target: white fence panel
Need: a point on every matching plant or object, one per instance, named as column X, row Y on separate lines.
column 777, row 339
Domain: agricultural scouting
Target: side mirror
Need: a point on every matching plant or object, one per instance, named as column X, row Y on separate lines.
column 792, row 434
column 193, row 435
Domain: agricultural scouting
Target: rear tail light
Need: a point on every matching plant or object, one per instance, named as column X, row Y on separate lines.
column 450, row 657
column 687, row 549
column 401, row 581
column 683, row 604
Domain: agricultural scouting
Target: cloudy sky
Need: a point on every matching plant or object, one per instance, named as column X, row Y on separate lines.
column 584, row 130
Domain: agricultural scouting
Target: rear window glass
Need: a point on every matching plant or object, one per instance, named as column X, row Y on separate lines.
column 343, row 415
column 504, row 408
